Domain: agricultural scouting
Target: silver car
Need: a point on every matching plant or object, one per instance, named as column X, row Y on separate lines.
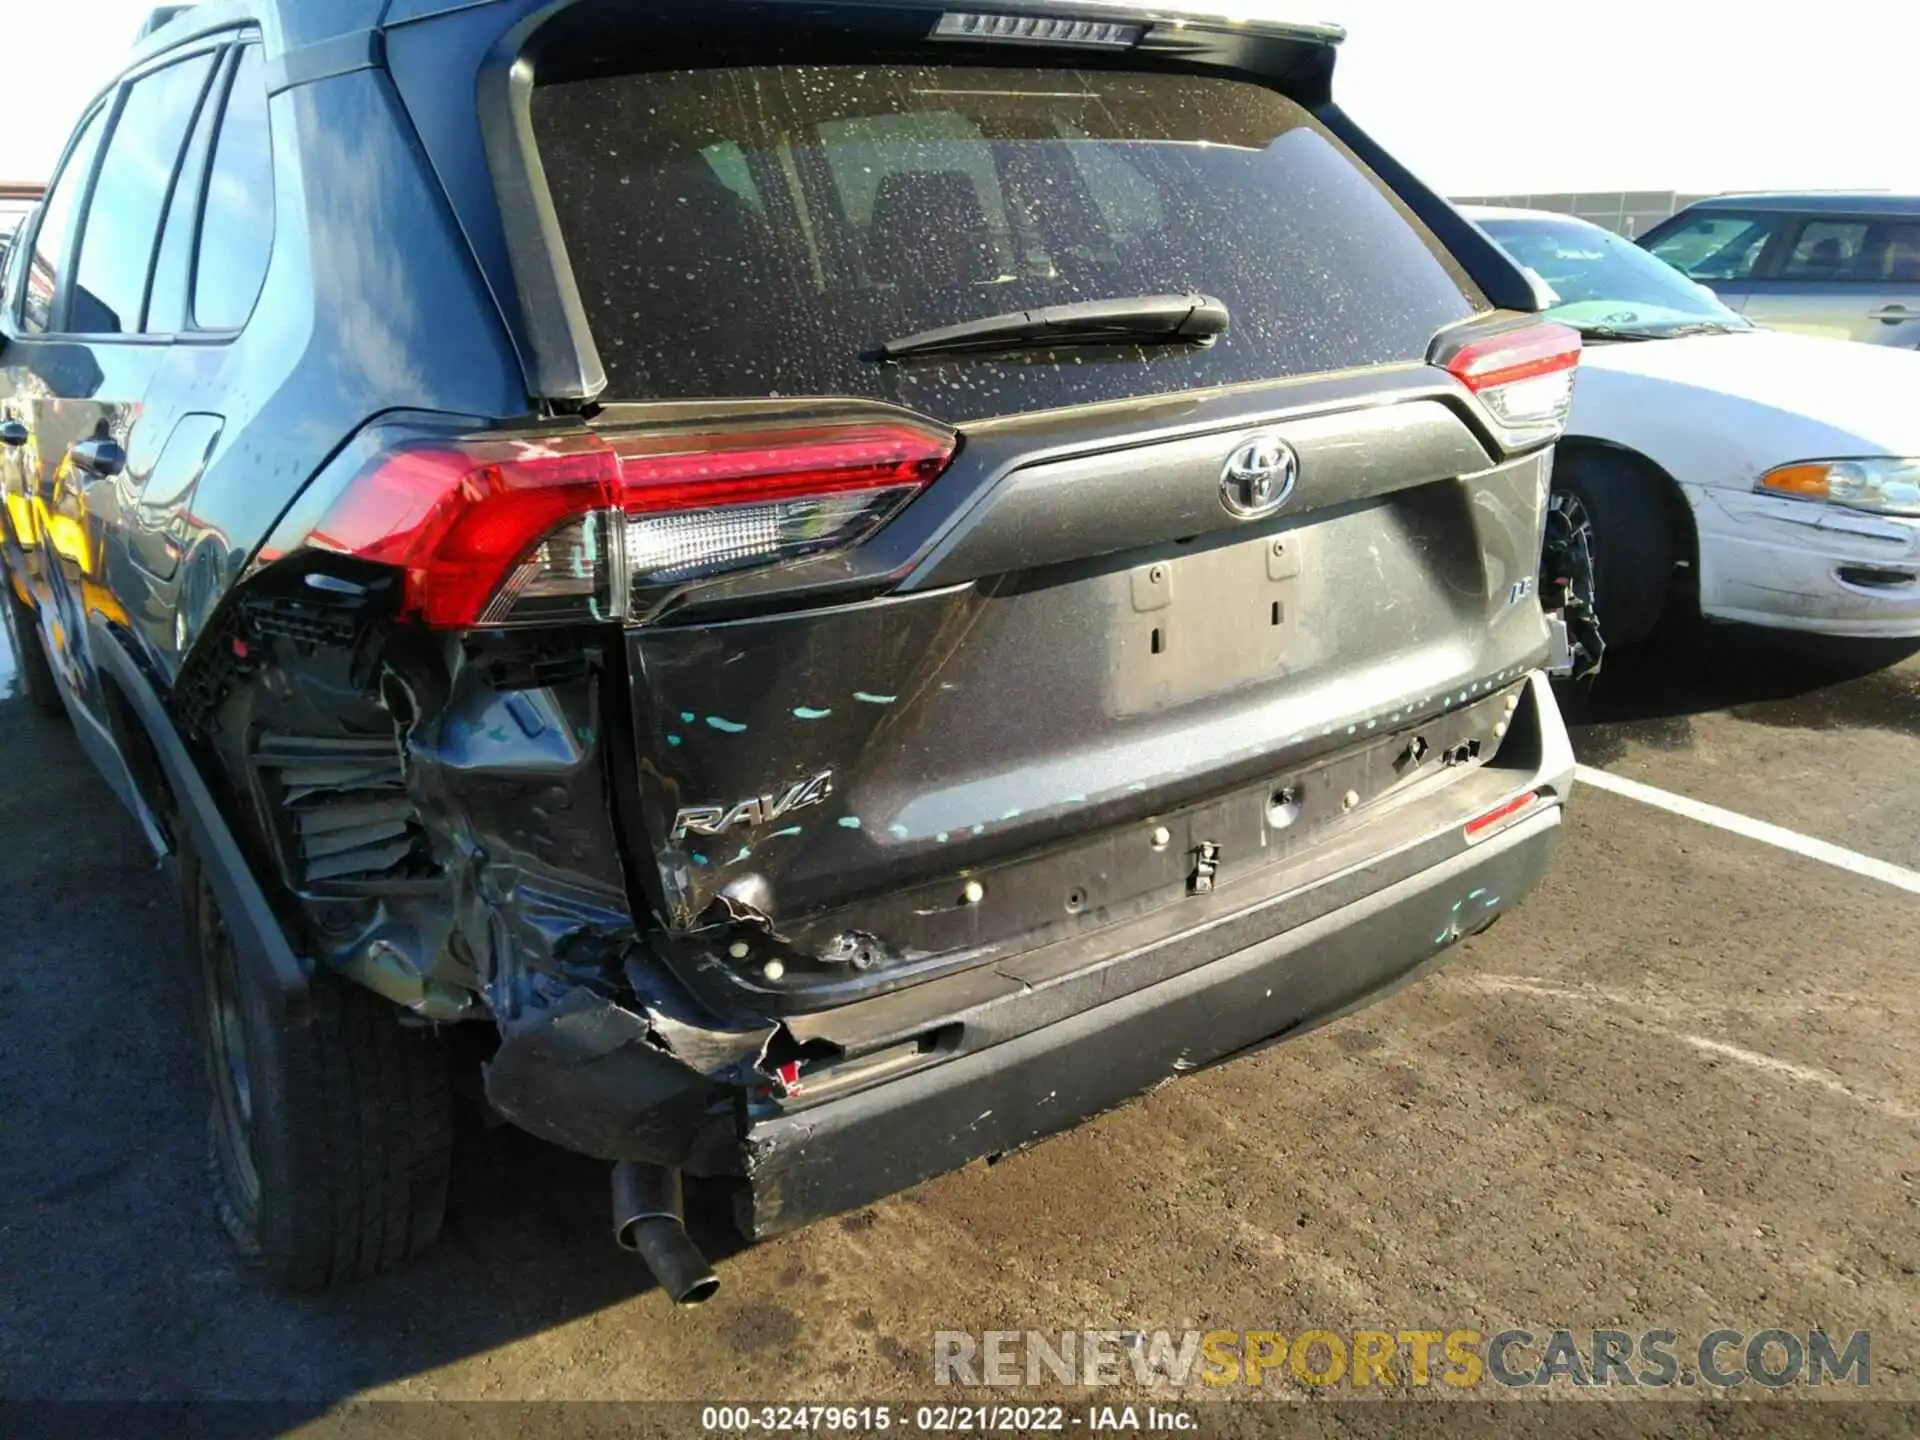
column 1842, row 266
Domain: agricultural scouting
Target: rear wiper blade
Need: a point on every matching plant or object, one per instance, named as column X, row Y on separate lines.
column 1664, row 332
column 1613, row 332
column 1706, row 327
column 1139, row 320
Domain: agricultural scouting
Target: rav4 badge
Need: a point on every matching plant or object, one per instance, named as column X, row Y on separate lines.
column 754, row 810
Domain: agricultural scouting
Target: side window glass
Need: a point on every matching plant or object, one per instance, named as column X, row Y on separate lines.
column 1826, row 250
column 123, row 218
column 46, row 266
column 1717, row 247
column 8, row 234
column 236, row 228
column 1892, row 254
column 173, row 268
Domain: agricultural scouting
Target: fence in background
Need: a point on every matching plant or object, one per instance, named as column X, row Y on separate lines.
column 1625, row 212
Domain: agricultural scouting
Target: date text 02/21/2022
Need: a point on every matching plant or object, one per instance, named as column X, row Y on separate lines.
column 940, row 1419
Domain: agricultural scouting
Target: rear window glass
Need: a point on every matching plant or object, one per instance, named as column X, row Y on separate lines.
column 761, row 231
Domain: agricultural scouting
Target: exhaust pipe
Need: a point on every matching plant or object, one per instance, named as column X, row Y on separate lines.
column 649, row 1220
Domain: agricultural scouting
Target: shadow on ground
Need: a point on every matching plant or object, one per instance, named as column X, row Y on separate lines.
column 119, row 1283
column 1650, row 694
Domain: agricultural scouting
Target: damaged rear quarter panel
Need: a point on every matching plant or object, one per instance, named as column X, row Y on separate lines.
column 438, row 812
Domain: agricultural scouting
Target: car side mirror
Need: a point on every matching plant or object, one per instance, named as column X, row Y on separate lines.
column 13, row 431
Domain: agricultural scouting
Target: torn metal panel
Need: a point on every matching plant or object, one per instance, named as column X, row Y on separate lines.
column 1567, row 588
column 651, row 1082
column 594, row 1077
column 439, row 811
column 436, row 807
column 689, row 1033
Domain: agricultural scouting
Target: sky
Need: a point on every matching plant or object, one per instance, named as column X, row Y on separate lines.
column 1475, row 96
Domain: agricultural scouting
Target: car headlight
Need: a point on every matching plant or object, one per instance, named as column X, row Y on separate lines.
column 1888, row 487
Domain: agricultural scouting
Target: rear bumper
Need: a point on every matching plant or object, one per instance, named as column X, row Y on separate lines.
column 1022, row 1051
column 846, row 1153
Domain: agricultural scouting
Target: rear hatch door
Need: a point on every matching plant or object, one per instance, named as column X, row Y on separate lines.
column 1150, row 576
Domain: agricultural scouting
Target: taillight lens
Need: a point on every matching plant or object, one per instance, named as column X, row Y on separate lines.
column 728, row 501
column 507, row 532
column 1524, row 377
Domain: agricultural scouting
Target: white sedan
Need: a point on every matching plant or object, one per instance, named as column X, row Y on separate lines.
column 1782, row 471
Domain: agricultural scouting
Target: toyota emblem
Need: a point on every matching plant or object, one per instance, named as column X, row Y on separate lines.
column 1258, row 477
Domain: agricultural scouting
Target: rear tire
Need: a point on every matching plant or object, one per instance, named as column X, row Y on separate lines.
column 328, row 1142
column 37, row 685
column 1629, row 509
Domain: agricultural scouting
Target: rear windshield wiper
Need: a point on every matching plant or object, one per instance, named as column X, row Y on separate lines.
column 1614, row 332
column 1665, row 332
column 1140, row 320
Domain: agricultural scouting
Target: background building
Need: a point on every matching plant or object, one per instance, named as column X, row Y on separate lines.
column 16, row 199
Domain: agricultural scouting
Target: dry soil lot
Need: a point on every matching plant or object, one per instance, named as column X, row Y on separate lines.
column 1679, row 1088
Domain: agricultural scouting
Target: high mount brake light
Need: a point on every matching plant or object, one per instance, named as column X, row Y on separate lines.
column 504, row 532
column 1036, row 30
column 1525, row 376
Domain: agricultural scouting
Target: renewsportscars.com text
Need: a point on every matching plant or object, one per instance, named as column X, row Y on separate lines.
column 1368, row 1359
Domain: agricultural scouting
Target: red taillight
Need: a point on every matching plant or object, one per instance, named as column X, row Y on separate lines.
column 505, row 532
column 1525, row 377
column 667, row 472
column 457, row 520
column 1482, row 826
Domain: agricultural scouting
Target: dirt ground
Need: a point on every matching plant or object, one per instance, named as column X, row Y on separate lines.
column 1679, row 1088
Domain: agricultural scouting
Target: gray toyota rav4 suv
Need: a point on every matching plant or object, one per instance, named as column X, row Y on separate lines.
column 814, row 590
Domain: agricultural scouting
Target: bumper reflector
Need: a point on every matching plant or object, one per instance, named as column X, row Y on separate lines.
column 1482, row 826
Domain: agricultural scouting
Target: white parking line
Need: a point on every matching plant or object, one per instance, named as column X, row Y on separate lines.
column 1779, row 836
column 1721, row 1049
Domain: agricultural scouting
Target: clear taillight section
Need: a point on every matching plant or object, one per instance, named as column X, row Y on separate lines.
column 1524, row 377
column 728, row 502
column 693, row 544
column 552, row 530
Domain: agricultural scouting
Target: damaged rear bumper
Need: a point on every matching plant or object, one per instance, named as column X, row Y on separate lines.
column 828, row 1111
column 849, row 1152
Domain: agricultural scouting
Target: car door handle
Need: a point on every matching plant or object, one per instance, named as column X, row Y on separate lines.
column 99, row 456
column 1893, row 314
column 13, row 432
